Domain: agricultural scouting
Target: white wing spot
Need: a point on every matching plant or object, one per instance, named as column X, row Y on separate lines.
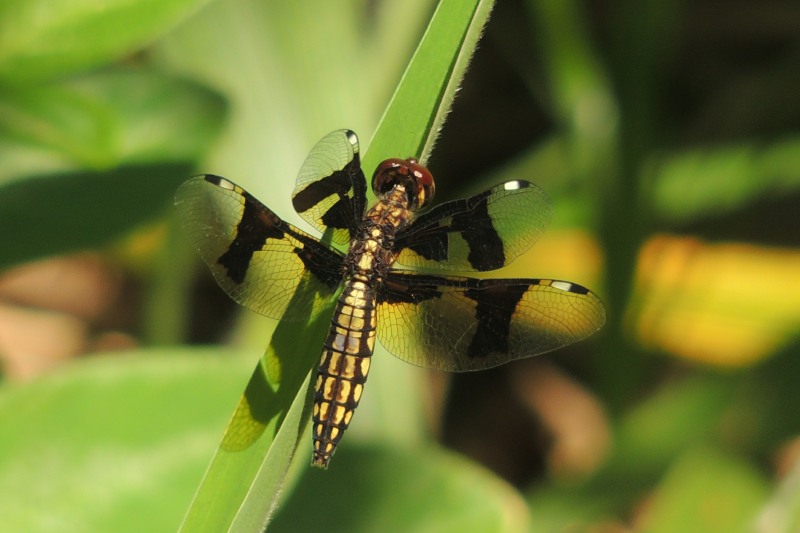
column 352, row 138
column 563, row 285
column 225, row 184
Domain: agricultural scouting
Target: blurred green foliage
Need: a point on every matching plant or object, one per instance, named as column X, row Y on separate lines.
column 641, row 120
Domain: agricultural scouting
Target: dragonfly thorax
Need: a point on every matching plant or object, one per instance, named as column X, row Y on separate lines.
column 371, row 252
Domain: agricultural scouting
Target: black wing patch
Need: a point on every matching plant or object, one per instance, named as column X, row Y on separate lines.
column 461, row 324
column 331, row 191
column 484, row 232
column 256, row 257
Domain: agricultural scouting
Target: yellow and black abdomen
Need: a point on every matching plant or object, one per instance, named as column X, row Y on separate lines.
column 343, row 368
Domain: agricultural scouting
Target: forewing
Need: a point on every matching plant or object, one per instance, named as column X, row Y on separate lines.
column 256, row 257
column 331, row 191
column 460, row 324
column 484, row 232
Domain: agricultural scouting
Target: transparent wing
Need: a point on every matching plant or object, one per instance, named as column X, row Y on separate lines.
column 256, row 257
column 460, row 324
column 331, row 191
column 484, row 232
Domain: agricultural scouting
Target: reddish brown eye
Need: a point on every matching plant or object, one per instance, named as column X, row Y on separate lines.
column 416, row 179
column 426, row 188
column 386, row 175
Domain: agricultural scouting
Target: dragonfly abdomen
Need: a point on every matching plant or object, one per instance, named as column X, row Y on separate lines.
column 343, row 368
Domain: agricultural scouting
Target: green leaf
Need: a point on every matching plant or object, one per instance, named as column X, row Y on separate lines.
column 48, row 215
column 108, row 119
column 41, row 39
column 137, row 132
column 113, row 442
column 678, row 417
column 674, row 418
column 419, row 104
column 704, row 182
column 567, row 508
column 706, row 490
column 378, row 489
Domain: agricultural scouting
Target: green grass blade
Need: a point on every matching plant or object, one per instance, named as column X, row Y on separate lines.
column 246, row 474
column 242, row 484
column 421, row 102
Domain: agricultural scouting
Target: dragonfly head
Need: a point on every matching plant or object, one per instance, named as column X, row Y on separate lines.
column 408, row 173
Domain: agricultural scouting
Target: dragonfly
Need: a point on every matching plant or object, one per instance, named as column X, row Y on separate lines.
column 391, row 271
